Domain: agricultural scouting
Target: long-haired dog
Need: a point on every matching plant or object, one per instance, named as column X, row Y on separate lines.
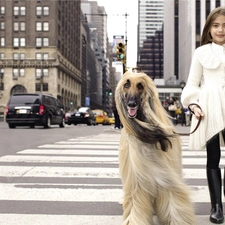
column 150, row 159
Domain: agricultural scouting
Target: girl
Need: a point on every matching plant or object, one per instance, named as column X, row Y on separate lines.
column 204, row 94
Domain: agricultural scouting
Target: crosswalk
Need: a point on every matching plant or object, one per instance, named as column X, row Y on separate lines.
column 76, row 182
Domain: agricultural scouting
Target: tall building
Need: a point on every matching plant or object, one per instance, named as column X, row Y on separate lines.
column 97, row 21
column 40, row 49
column 150, row 37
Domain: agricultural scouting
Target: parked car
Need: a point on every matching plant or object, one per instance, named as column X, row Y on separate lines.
column 101, row 117
column 84, row 115
column 34, row 110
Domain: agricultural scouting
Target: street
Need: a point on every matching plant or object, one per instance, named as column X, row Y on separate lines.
column 70, row 176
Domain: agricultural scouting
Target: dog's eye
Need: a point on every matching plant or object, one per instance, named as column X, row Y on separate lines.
column 140, row 86
column 127, row 84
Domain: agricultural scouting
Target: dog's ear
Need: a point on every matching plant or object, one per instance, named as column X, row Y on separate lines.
column 151, row 104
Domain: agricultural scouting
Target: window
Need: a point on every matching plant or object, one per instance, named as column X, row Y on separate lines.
column 2, row 71
column 2, row 42
column 22, row 10
column 38, row 42
column 45, row 72
column 2, row 25
column 22, row 72
column 22, row 42
column 2, row 10
column 2, row 55
column 45, row 26
column 15, row 56
column 38, row 26
column 38, row 10
column 16, row 26
column 15, row 72
column 38, row 56
column 38, row 73
column 45, row 86
column 37, row 87
column 46, row 11
column 45, row 41
column 18, row 72
column 22, row 26
column 45, row 56
column 22, row 56
column 16, row 11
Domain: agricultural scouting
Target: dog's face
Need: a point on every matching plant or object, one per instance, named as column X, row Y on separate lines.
column 140, row 109
column 135, row 91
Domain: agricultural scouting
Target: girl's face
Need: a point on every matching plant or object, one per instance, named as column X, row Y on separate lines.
column 218, row 30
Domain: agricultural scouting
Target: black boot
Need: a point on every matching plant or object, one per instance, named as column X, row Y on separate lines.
column 214, row 183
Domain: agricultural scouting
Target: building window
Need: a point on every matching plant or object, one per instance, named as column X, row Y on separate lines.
column 22, row 72
column 38, row 73
column 37, row 87
column 38, row 56
column 2, row 72
column 45, row 56
column 38, row 26
column 16, row 11
column 18, row 72
column 46, row 11
column 38, row 10
column 15, row 56
column 15, row 42
column 45, row 72
column 15, row 72
column 22, row 10
column 2, row 26
column 38, row 42
column 22, row 56
column 16, row 26
column 45, row 42
column 22, row 26
column 22, row 42
column 2, row 55
column 46, row 26
column 45, row 86
column 2, row 12
column 2, row 42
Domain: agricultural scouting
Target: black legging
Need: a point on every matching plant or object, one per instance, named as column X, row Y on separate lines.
column 213, row 151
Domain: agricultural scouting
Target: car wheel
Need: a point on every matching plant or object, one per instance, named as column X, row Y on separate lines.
column 47, row 122
column 11, row 126
column 62, row 124
column 32, row 126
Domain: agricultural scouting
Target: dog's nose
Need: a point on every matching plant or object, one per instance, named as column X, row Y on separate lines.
column 132, row 104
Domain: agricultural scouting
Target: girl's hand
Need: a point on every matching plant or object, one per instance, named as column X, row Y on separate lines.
column 197, row 111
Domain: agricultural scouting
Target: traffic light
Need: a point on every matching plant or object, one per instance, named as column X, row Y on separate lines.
column 121, row 52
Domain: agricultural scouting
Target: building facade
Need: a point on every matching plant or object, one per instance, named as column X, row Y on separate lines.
column 40, row 49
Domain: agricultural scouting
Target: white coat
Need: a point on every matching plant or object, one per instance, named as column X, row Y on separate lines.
column 206, row 87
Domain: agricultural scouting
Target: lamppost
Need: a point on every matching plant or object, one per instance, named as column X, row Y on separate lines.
column 1, row 85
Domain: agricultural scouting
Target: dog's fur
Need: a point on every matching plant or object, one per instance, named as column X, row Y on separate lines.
column 150, row 160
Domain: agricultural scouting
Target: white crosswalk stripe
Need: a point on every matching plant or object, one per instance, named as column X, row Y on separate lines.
column 77, row 182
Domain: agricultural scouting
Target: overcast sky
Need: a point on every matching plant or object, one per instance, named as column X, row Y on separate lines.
column 117, row 24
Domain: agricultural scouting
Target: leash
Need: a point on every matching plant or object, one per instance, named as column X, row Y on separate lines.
column 185, row 134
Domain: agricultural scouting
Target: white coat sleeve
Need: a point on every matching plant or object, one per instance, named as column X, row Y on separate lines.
column 190, row 93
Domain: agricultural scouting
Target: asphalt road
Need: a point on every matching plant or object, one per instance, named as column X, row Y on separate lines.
column 13, row 140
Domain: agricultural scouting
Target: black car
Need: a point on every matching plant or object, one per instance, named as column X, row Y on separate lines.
column 34, row 109
column 84, row 115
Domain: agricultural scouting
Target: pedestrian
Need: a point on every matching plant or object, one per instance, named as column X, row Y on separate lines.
column 172, row 107
column 204, row 94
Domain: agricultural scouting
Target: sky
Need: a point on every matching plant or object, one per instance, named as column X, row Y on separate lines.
column 117, row 24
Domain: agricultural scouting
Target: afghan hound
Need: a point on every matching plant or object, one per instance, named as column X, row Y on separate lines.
column 150, row 159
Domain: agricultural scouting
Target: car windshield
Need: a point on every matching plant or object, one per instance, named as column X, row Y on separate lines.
column 25, row 99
